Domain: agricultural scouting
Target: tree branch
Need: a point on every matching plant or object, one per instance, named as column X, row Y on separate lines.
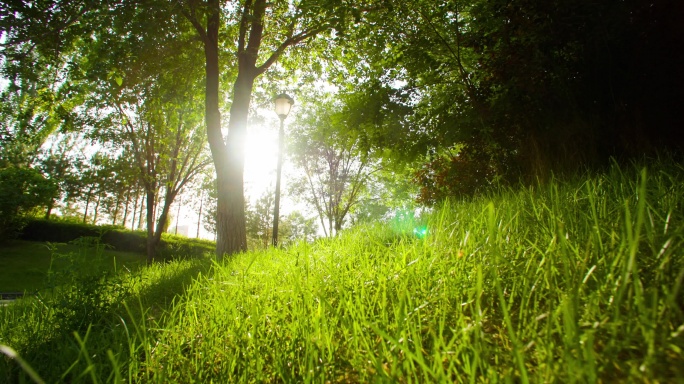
column 244, row 22
column 293, row 40
column 192, row 18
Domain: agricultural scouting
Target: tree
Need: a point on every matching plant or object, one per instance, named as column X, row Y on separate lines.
column 122, row 183
column 59, row 161
column 288, row 25
column 520, row 89
column 142, row 85
column 166, row 147
column 297, row 227
column 260, row 219
column 21, row 191
column 336, row 168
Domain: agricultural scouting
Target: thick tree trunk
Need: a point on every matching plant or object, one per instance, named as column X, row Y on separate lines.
column 228, row 159
column 230, row 215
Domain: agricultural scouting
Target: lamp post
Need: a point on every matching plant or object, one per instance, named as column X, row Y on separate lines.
column 283, row 104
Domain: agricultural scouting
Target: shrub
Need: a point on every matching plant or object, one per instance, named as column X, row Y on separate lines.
column 21, row 190
column 120, row 239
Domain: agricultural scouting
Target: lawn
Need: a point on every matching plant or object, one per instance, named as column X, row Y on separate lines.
column 25, row 264
column 570, row 281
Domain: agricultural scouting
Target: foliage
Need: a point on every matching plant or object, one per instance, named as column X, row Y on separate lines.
column 59, row 166
column 21, row 191
column 116, row 237
column 530, row 88
column 336, row 167
column 292, row 228
column 458, row 173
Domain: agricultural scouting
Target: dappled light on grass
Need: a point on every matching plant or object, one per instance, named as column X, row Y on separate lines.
column 570, row 281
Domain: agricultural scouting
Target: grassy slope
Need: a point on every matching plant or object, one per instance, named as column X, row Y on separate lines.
column 25, row 264
column 575, row 281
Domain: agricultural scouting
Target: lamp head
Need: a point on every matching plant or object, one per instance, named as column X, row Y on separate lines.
column 283, row 104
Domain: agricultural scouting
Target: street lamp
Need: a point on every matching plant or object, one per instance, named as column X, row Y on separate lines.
column 283, row 104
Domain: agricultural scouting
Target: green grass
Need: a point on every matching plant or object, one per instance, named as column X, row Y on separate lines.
column 573, row 281
column 25, row 264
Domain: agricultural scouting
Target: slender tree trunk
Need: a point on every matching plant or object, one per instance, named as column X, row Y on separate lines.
column 97, row 207
column 199, row 215
column 51, row 203
column 85, row 214
column 128, row 201
column 142, row 209
column 180, row 204
column 151, row 246
column 116, row 209
column 135, row 210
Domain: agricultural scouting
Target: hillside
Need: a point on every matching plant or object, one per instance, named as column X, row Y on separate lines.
column 574, row 280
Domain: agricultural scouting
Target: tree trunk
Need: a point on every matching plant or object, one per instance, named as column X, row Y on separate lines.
column 230, row 215
column 135, row 210
column 97, row 207
column 51, row 203
column 163, row 218
column 142, row 209
column 116, row 209
column 228, row 159
column 151, row 245
column 199, row 215
column 85, row 214
column 128, row 201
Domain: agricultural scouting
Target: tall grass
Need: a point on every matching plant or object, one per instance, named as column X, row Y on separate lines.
column 571, row 281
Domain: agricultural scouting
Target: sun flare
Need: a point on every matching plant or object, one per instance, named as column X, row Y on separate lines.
column 261, row 157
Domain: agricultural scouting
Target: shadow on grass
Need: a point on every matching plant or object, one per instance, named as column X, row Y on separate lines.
column 172, row 281
column 82, row 335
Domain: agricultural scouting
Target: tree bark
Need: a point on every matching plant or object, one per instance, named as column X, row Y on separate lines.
column 128, row 201
column 135, row 209
column 199, row 215
column 85, row 214
column 228, row 158
column 151, row 245
column 142, row 209
column 230, row 214
column 97, row 207
column 49, row 209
